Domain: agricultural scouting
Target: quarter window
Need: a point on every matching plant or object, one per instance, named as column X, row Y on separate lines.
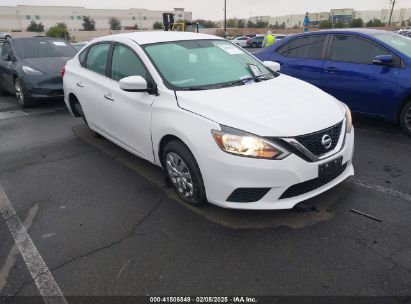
column 126, row 63
column 355, row 50
column 97, row 58
column 309, row 47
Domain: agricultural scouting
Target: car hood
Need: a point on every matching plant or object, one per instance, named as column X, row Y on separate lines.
column 48, row 65
column 283, row 106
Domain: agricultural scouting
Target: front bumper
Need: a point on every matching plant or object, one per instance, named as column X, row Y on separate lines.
column 44, row 87
column 223, row 173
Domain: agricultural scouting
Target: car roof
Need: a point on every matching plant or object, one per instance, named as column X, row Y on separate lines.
column 349, row 31
column 158, row 36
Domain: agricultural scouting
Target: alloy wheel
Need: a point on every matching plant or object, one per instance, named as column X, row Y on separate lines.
column 19, row 92
column 179, row 175
column 407, row 118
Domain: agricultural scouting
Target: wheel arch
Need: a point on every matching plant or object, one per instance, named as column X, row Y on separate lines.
column 406, row 98
column 163, row 142
column 72, row 99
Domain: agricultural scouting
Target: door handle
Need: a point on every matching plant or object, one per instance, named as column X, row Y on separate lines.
column 331, row 70
column 80, row 84
column 109, row 97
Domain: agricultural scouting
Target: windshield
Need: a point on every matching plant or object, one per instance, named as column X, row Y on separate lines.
column 202, row 64
column 40, row 48
column 398, row 42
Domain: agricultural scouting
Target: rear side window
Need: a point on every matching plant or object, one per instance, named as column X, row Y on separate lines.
column 126, row 63
column 82, row 58
column 97, row 58
column 355, row 50
column 310, row 47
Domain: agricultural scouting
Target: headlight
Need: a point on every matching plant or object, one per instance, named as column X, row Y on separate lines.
column 241, row 143
column 348, row 118
column 30, row 71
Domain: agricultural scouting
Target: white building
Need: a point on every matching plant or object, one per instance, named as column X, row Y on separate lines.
column 17, row 18
column 344, row 15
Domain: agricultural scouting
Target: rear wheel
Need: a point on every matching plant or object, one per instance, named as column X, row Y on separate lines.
column 77, row 107
column 23, row 98
column 184, row 173
column 405, row 118
column 3, row 92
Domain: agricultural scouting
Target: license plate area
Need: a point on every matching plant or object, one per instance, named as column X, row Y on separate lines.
column 330, row 168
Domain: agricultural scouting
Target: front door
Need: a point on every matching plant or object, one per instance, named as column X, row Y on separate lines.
column 350, row 76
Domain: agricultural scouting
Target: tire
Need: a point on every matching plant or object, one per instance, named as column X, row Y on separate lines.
column 77, row 107
column 23, row 97
column 254, row 45
column 182, row 171
column 3, row 92
column 405, row 118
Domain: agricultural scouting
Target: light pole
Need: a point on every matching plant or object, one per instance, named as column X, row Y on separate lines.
column 392, row 9
column 225, row 18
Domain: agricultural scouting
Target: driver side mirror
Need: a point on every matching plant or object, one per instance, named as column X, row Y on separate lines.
column 272, row 65
column 134, row 84
column 383, row 60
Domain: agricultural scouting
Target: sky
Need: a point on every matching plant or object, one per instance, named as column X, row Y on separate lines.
column 213, row 9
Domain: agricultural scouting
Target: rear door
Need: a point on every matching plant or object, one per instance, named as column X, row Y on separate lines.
column 350, row 75
column 302, row 57
column 91, row 82
column 7, row 67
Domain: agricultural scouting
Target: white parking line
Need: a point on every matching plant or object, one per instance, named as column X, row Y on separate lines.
column 41, row 275
column 11, row 258
column 382, row 189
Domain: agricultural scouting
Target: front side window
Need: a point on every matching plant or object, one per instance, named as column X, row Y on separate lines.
column 125, row 63
column 204, row 64
column 97, row 58
column 355, row 50
column 310, row 47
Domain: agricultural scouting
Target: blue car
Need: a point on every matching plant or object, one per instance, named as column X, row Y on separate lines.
column 369, row 70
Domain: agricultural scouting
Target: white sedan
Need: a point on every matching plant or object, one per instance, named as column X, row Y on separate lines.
column 241, row 41
column 204, row 110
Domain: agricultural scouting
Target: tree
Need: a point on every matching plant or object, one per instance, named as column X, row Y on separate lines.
column 282, row 26
column 296, row 27
column 250, row 24
column 374, row 23
column 326, row 24
column 157, row 25
column 206, row 23
column 241, row 23
column 88, row 23
column 114, row 23
column 261, row 24
column 35, row 27
column 58, row 31
column 231, row 23
column 357, row 23
column 339, row 24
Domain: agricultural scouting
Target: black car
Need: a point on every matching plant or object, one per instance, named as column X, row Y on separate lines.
column 255, row 42
column 31, row 68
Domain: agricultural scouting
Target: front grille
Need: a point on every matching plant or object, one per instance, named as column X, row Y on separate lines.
column 247, row 195
column 313, row 141
column 312, row 184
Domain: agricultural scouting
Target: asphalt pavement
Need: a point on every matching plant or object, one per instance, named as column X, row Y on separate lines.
column 107, row 223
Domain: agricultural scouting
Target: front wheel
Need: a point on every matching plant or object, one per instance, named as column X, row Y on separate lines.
column 254, row 45
column 184, row 173
column 23, row 98
column 405, row 118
